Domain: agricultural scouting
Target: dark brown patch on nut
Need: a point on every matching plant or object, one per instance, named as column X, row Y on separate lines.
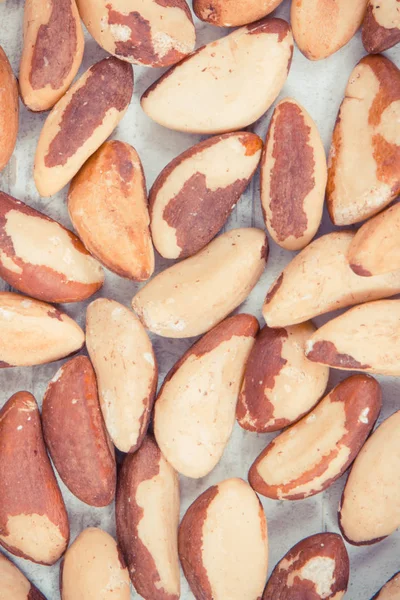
column 375, row 37
column 359, row 270
column 326, row 352
column 182, row 4
column 274, row 288
column 55, row 314
column 388, row 76
column 4, row 365
column 34, row 594
column 265, row 250
column 278, row 26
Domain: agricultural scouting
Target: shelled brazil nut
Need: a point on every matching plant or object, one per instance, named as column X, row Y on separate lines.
column 9, row 110
column 381, row 27
column 14, row 584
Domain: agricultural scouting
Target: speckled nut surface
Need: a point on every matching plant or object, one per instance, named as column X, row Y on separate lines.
column 308, row 286
column 381, row 28
column 227, row 84
column 317, row 568
column 223, row 543
column 52, row 51
column 194, row 195
column 293, row 176
column 321, row 27
column 391, row 590
column 195, row 408
column 155, row 33
column 93, row 568
column 80, row 122
column 126, row 370
column 14, row 584
column 147, row 515
column 33, row 519
column 232, row 13
column 365, row 338
column 370, row 505
column 41, row 258
column 33, row 332
column 114, row 226
column 310, row 455
column 76, row 435
column 9, row 110
column 280, row 385
column 195, row 294
column 364, row 160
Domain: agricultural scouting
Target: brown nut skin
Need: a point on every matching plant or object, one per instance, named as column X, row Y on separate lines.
column 223, row 543
column 192, row 95
column 93, row 568
column 43, row 259
column 147, row 516
column 309, row 456
column 33, row 518
column 194, row 413
column 233, row 13
column 364, row 159
column 14, row 584
column 315, row 568
column 9, row 110
column 152, row 33
column 381, row 27
column 391, row 589
column 114, row 227
column 75, row 433
column 80, row 122
column 276, row 371
column 370, row 506
column 194, row 195
column 52, row 51
column 34, row 333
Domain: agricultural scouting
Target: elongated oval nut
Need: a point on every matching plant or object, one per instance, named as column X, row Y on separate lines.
column 322, row 27
column 33, row 332
column 80, row 122
column 114, row 227
column 52, row 51
column 14, row 584
column 194, row 195
column 223, row 543
column 293, row 176
column 316, row 567
column 147, row 515
column 364, row 160
column 248, row 67
column 33, row 519
column 309, row 456
column 151, row 33
column 232, row 13
column 381, row 27
column 9, row 110
column 370, row 505
column 41, row 258
column 391, row 590
column 93, row 568
column 195, row 409
column 126, row 370
column 280, row 385
column 75, row 433
column 192, row 296
column 308, row 286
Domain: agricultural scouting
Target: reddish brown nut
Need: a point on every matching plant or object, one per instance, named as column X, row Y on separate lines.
column 147, row 515
column 223, row 543
column 9, row 110
column 80, row 122
column 33, row 519
column 293, row 176
column 381, row 28
column 194, row 195
column 370, row 506
column 41, row 258
column 232, row 13
column 13, row 583
column 309, row 456
column 280, row 385
column 52, row 52
column 391, row 590
column 75, row 433
column 364, row 160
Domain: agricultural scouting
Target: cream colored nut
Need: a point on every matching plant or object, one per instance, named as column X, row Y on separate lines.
column 309, row 456
column 227, row 84
column 126, row 370
column 195, row 409
column 9, row 110
column 293, row 176
column 223, row 543
column 391, row 590
column 309, row 285
column 364, row 160
column 381, row 28
column 280, row 385
column 147, row 515
column 52, row 52
column 195, row 294
column 194, row 195
column 232, row 13
column 114, row 226
column 14, row 584
column 370, row 506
